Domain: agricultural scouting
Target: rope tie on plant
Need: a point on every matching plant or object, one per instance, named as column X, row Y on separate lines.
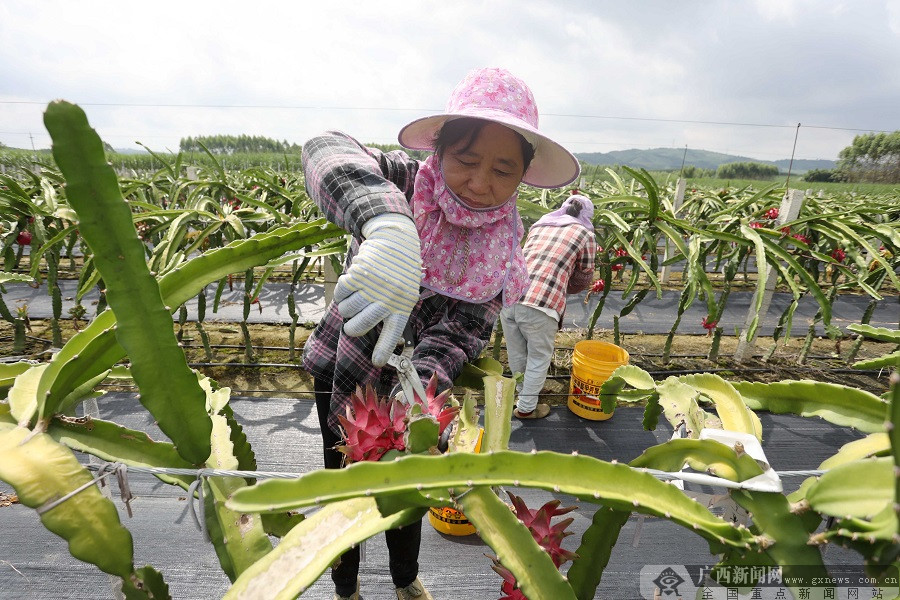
column 120, row 470
column 198, row 514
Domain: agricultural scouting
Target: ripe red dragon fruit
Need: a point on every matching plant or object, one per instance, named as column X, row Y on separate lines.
column 24, row 238
column 508, row 588
column 434, row 405
column 549, row 537
column 372, row 426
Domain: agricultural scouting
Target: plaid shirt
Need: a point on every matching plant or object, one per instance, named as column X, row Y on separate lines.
column 351, row 184
column 560, row 261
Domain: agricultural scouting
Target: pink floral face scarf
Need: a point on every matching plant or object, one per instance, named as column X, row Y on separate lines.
column 468, row 254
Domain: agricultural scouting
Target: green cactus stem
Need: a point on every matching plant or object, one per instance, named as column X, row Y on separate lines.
column 587, row 478
column 43, row 471
column 595, row 551
column 837, row 404
column 807, row 345
column 144, row 327
column 713, row 355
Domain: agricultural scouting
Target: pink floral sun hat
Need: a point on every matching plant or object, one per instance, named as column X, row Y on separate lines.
column 496, row 95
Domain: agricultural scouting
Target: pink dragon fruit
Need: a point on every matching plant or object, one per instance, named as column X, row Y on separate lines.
column 372, row 426
column 434, row 405
column 549, row 537
column 508, row 588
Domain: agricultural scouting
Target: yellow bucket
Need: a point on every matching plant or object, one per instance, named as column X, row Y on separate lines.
column 449, row 520
column 593, row 362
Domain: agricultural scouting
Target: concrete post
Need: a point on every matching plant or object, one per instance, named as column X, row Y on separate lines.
column 790, row 209
column 680, row 188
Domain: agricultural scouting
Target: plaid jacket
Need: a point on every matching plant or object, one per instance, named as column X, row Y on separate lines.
column 560, row 261
column 351, row 184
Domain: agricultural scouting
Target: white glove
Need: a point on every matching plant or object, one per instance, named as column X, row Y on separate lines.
column 382, row 283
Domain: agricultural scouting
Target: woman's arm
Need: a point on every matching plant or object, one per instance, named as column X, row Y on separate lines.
column 351, row 183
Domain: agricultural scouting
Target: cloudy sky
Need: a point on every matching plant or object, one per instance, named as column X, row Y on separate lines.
column 723, row 75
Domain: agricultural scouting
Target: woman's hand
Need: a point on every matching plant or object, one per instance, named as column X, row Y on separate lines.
column 382, row 283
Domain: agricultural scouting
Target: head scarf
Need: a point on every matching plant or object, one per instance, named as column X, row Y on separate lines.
column 559, row 218
column 468, row 254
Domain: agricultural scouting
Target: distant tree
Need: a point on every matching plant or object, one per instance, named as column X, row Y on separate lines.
column 874, row 158
column 695, row 172
column 417, row 154
column 746, row 170
column 822, row 176
column 232, row 144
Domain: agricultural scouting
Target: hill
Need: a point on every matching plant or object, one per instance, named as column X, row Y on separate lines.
column 668, row 159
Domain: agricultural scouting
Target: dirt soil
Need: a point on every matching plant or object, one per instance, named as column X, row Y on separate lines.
column 274, row 369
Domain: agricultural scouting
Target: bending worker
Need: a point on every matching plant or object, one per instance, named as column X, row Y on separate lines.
column 560, row 252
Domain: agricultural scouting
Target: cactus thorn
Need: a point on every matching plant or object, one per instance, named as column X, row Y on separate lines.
column 888, row 426
column 556, row 488
column 317, row 500
column 738, row 448
column 574, row 452
column 596, row 494
column 668, row 515
column 516, row 482
column 695, row 526
column 419, row 486
column 614, row 461
column 635, row 503
column 368, row 492
column 469, row 483
column 428, row 496
column 534, row 450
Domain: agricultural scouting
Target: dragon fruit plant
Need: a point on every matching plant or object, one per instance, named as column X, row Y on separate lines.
column 38, row 439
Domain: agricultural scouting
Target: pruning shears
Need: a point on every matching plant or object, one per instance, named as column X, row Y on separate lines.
column 409, row 378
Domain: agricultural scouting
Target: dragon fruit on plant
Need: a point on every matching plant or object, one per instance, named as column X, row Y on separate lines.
column 372, row 426
column 549, row 537
column 435, row 405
